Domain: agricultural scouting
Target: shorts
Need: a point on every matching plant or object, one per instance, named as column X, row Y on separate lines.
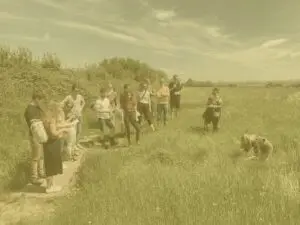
column 175, row 101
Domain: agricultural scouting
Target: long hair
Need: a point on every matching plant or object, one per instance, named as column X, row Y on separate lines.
column 53, row 112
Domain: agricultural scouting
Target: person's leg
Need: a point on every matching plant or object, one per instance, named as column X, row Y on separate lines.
column 112, row 129
column 177, row 104
column 78, row 130
column 136, row 126
column 36, row 161
column 127, row 126
column 159, row 113
column 215, row 122
column 165, row 113
column 148, row 116
column 172, row 106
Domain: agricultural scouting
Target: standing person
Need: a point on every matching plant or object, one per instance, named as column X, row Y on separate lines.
column 104, row 109
column 163, row 98
column 34, row 111
column 144, row 104
column 152, row 98
column 117, row 112
column 128, row 104
column 212, row 113
column 175, row 87
column 52, row 148
column 69, row 144
column 78, row 103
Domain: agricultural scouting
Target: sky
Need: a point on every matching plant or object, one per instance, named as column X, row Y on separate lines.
column 217, row 40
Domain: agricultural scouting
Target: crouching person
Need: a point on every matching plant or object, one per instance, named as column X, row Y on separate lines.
column 212, row 113
column 103, row 110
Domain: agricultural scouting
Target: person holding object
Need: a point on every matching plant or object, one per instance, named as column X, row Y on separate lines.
column 212, row 113
column 34, row 113
column 144, row 105
column 56, row 130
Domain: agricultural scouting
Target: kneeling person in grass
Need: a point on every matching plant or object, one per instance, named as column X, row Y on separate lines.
column 103, row 109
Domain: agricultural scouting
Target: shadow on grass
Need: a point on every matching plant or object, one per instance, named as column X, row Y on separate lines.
column 197, row 129
column 236, row 155
column 21, row 176
column 199, row 156
column 161, row 156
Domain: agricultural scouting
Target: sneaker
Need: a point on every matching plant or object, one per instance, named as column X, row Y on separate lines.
column 53, row 189
column 36, row 181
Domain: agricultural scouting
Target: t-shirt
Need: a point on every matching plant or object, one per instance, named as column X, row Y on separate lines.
column 112, row 95
column 175, row 88
column 78, row 104
column 32, row 112
column 144, row 97
column 128, row 102
column 103, row 108
column 214, row 101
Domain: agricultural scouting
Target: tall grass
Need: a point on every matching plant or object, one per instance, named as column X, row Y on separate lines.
column 180, row 176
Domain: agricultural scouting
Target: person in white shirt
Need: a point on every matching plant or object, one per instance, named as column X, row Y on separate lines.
column 103, row 109
column 77, row 101
column 144, row 104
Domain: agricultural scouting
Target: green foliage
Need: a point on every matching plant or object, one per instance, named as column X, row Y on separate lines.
column 20, row 73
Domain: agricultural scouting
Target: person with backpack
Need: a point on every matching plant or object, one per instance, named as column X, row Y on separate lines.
column 144, row 104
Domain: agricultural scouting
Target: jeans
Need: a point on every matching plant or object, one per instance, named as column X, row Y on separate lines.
column 162, row 113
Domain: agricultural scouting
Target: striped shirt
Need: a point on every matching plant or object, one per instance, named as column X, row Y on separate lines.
column 103, row 108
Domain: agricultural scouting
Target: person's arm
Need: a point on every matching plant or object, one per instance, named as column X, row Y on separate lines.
column 134, row 101
column 54, row 129
column 82, row 103
column 122, row 106
column 64, row 101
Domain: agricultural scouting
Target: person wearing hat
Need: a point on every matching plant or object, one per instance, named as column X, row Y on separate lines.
column 144, row 104
column 212, row 113
column 175, row 95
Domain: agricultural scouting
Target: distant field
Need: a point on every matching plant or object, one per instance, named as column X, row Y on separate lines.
column 179, row 176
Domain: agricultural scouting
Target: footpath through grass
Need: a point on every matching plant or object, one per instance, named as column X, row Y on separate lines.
column 180, row 176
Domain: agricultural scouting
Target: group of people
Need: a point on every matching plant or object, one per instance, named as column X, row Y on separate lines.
column 55, row 127
column 134, row 107
column 54, row 132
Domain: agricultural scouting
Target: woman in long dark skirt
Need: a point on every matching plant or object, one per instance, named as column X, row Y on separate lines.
column 53, row 147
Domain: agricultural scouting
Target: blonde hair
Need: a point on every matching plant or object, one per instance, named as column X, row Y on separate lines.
column 53, row 111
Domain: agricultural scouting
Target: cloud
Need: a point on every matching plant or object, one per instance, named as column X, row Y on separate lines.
column 50, row 3
column 273, row 43
column 10, row 16
column 45, row 38
column 163, row 15
column 96, row 30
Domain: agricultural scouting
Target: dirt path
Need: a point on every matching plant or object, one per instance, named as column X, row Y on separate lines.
column 32, row 202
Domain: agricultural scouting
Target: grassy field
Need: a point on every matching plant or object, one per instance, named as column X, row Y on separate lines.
column 180, row 176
